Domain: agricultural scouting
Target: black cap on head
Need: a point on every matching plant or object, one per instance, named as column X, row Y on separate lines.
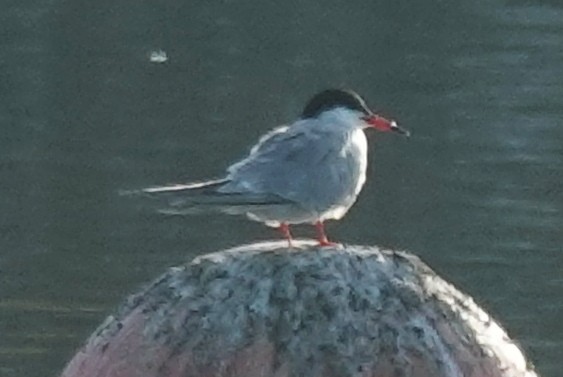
column 333, row 98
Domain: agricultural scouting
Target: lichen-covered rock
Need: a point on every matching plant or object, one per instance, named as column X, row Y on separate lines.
column 266, row 310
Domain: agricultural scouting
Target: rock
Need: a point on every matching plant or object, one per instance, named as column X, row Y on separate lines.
column 266, row 310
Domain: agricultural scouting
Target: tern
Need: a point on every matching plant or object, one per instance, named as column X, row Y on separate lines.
column 307, row 172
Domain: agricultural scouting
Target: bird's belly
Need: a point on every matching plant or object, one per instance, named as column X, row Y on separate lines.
column 288, row 214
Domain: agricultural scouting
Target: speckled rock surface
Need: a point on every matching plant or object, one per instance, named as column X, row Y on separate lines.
column 265, row 310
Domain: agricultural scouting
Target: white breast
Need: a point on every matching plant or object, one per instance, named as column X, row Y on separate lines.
column 355, row 151
column 359, row 145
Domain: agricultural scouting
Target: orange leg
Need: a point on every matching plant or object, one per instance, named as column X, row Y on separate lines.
column 321, row 235
column 284, row 229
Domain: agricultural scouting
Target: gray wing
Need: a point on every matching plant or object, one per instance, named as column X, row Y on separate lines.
column 300, row 164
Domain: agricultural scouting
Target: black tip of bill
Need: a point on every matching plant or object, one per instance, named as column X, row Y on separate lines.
column 399, row 130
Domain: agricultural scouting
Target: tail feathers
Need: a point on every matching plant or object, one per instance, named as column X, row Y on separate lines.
column 184, row 189
column 203, row 197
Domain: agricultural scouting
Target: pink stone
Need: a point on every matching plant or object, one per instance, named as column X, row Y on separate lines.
column 265, row 310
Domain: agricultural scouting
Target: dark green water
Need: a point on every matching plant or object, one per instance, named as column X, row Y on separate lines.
column 476, row 192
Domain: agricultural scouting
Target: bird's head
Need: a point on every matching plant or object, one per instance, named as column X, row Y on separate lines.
column 337, row 99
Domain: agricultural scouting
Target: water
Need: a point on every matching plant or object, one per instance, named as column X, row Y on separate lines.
column 85, row 110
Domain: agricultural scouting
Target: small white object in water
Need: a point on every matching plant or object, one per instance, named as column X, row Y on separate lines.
column 158, row 56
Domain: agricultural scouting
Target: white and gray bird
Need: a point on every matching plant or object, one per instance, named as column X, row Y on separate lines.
column 306, row 172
